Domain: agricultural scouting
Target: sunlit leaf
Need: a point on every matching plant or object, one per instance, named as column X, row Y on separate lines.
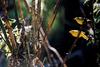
column 75, row 33
column 11, row 21
column 91, row 32
column 8, row 52
column 5, row 48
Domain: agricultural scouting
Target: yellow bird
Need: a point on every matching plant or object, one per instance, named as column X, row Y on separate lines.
column 75, row 33
column 79, row 20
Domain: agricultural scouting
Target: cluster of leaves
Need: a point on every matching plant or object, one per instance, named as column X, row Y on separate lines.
column 97, row 16
column 97, row 26
column 29, row 47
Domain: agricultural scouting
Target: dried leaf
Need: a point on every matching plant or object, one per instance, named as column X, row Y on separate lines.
column 74, row 33
column 79, row 20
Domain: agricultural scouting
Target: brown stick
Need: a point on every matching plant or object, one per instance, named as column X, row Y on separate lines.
column 27, row 6
column 12, row 39
column 11, row 36
column 20, row 9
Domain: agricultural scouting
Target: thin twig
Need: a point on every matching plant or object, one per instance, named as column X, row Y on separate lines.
column 16, row 15
column 53, row 15
column 27, row 6
column 20, row 10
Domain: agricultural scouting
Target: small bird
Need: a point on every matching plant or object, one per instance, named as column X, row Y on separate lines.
column 75, row 33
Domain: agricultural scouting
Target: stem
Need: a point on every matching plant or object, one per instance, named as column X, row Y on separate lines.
column 5, row 35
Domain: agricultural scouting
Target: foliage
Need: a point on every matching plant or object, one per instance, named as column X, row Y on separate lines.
column 25, row 29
